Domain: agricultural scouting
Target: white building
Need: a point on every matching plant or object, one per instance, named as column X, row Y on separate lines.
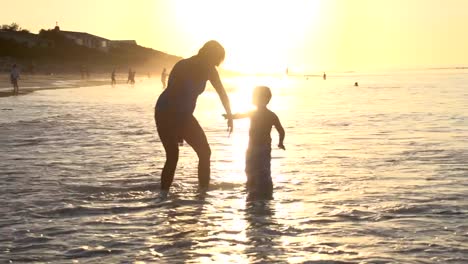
column 86, row 39
column 122, row 43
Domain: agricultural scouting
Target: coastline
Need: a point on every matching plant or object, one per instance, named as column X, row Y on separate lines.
column 31, row 83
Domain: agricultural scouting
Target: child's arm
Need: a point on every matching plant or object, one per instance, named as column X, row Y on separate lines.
column 238, row 115
column 280, row 129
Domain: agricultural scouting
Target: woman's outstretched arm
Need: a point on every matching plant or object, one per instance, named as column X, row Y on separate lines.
column 218, row 85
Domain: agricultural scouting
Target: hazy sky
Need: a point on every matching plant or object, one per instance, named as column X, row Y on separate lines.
column 260, row 36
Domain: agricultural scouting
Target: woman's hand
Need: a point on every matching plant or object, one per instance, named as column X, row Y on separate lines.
column 230, row 122
column 230, row 125
column 281, row 146
column 218, row 86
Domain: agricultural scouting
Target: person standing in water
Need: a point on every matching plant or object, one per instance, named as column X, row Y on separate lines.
column 132, row 78
column 258, row 156
column 174, row 112
column 113, row 81
column 129, row 78
column 14, row 77
column 164, row 78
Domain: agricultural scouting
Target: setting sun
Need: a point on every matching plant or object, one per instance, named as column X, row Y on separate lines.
column 259, row 36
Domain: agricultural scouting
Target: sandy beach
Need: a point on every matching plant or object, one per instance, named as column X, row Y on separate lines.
column 30, row 83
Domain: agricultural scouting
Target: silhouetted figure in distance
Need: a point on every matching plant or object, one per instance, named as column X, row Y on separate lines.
column 113, row 81
column 14, row 77
column 258, row 157
column 164, row 78
column 129, row 78
column 174, row 112
column 132, row 77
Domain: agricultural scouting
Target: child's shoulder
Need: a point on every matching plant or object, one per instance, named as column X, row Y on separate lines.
column 271, row 113
column 266, row 114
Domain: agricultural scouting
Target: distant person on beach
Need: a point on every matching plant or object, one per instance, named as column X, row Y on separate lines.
column 258, row 156
column 132, row 79
column 14, row 77
column 113, row 81
column 131, row 76
column 356, row 84
column 129, row 79
column 164, row 78
column 324, row 76
column 174, row 112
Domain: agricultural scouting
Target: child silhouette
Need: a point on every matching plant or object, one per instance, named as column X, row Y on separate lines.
column 258, row 156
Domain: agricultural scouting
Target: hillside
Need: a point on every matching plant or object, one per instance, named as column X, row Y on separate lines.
column 52, row 52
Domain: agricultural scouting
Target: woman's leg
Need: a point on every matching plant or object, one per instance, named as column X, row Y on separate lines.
column 194, row 135
column 166, row 129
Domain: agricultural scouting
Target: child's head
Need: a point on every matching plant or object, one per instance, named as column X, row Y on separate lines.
column 261, row 96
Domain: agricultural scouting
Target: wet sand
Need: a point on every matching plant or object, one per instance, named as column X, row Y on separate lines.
column 31, row 83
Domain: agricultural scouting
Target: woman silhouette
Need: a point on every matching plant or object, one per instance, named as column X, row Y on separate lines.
column 174, row 111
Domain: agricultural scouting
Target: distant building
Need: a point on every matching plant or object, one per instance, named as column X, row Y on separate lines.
column 28, row 39
column 122, row 43
column 80, row 38
column 86, row 39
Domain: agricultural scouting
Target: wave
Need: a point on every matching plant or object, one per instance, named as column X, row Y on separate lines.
column 90, row 189
column 79, row 211
column 87, row 252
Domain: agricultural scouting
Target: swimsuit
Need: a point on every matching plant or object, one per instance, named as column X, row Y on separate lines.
column 176, row 104
column 257, row 169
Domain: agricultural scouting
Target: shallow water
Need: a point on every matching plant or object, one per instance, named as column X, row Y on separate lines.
column 371, row 174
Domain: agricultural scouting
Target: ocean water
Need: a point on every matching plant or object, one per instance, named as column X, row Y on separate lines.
column 371, row 174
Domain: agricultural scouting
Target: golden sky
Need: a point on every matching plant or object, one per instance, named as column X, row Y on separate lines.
column 269, row 35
